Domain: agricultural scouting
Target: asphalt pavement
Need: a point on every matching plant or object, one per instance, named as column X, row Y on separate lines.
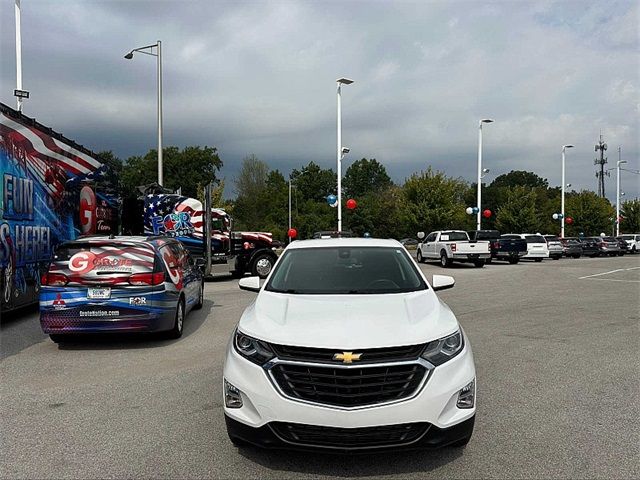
column 556, row 348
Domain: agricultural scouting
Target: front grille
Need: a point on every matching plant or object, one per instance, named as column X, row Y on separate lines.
column 349, row 438
column 367, row 355
column 349, row 387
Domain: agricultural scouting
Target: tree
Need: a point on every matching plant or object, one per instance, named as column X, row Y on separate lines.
column 190, row 169
column 630, row 213
column 591, row 214
column 250, row 207
column 364, row 177
column 314, row 183
column 520, row 178
column 432, row 201
column 518, row 213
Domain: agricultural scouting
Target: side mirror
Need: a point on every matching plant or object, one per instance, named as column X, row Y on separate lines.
column 421, row 235
column 442, row 282
column 251, row 284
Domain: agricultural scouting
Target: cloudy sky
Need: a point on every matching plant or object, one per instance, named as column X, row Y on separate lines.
column 259, row 77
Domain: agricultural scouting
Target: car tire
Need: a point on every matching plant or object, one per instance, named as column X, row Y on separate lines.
column 577, row 255
column 419, row 257
column 538, row 260
column 445, row 262
column 178, row 323
column 513, row 260
column 478, row 263
column 57, row 338
column 200, row 301
column 556, row 258
column 262, row 265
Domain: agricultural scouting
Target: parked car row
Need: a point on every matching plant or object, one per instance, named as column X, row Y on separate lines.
column 483, row 246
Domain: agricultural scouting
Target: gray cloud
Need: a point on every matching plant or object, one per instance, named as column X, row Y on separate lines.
column 258, row 77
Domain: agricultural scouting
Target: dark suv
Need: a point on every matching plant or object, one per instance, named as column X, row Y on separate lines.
column 119, row 284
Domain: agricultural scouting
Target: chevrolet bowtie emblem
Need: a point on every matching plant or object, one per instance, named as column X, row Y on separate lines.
column 347, row 357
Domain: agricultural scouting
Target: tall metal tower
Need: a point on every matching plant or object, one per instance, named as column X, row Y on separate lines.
column 601, row 146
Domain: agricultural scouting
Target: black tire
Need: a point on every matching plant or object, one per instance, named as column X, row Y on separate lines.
column 633, row 249
column 57, row 338
column 419, row 256
column 577, row 255
column 237, row 274
column 513, row 260
column 262, row 265
column 198, row 305
column 478, row 263
column 445, row 262
column 488, row 261
column 178, row 324
column 538, row 260
column 556, row 258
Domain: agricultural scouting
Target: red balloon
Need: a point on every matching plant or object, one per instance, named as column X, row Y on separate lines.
column 568, row 220
column 351, row 204
column 292, row 233
column 486, row 213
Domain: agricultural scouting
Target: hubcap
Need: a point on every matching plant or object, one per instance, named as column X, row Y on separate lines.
column 263, row 267
column 8, row 277
column 443, row 260
column 180, row 317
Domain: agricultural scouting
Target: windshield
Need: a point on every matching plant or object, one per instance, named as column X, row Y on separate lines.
column 551, row 238
column 453, row 236
column 627, row 237
column 534, row 239
column 98, row 261
column 484, row 235
column 345, row 270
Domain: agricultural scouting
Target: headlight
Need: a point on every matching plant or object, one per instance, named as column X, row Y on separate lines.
column 252, row 349
column 440, row 351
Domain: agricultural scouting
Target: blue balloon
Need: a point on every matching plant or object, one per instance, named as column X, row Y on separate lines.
column 331, row 199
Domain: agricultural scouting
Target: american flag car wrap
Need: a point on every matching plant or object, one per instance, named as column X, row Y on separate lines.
column 129, row 307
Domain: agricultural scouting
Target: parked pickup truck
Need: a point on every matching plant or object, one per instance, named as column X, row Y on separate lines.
column 452, row 246
column 508, row 249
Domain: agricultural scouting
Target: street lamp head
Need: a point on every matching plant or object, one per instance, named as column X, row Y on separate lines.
column 622, row 194
column 567, row 146
column 620, row 162
column 345, row 81
column 485, row 170
column 486, row 120
column 345, row 150
column 129, row 56
column 568, row 185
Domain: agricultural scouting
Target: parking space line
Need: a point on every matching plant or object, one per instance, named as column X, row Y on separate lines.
column 603, row 273
column 615, row 280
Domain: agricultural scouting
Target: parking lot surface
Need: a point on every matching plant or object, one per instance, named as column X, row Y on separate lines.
column 556, row 348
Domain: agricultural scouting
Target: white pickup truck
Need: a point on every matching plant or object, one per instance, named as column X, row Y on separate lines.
column 452, row 246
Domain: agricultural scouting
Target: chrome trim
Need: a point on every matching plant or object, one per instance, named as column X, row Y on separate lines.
column 429, row 367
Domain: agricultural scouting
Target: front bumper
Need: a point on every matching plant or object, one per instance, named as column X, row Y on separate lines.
column 267, row 436
column 433, row 404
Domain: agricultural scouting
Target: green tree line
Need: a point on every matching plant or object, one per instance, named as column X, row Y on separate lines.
column 519, row 201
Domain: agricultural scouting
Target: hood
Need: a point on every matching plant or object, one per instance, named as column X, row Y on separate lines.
column 348, row 321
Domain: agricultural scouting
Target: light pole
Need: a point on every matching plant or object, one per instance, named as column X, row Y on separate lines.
column 618, row 163
column 19, row 93
column 341, row 150
column 564, row 147
column 480, row 172
column 158, row 54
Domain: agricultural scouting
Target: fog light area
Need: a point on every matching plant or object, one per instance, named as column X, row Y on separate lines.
column 467, row 396
column 232, row 396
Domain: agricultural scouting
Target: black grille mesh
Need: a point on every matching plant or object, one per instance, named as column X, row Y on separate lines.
column 370, row 355
column 349, row 438
column 349, row 387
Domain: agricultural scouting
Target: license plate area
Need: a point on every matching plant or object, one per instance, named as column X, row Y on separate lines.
column 102, row 293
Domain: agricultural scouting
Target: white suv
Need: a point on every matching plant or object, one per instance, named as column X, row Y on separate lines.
column 347, row 347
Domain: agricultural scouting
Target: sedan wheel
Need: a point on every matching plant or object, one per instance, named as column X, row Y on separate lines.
column 419, row 257
column 176, row 331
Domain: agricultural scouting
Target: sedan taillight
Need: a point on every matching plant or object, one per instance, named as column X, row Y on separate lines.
column 146, row 278
column 54, row 279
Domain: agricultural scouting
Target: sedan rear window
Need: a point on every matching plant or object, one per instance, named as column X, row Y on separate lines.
column 534, row 239
column 93, row 261
column 345, row 270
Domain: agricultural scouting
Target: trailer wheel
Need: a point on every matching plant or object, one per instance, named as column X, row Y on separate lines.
column 262, row 265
